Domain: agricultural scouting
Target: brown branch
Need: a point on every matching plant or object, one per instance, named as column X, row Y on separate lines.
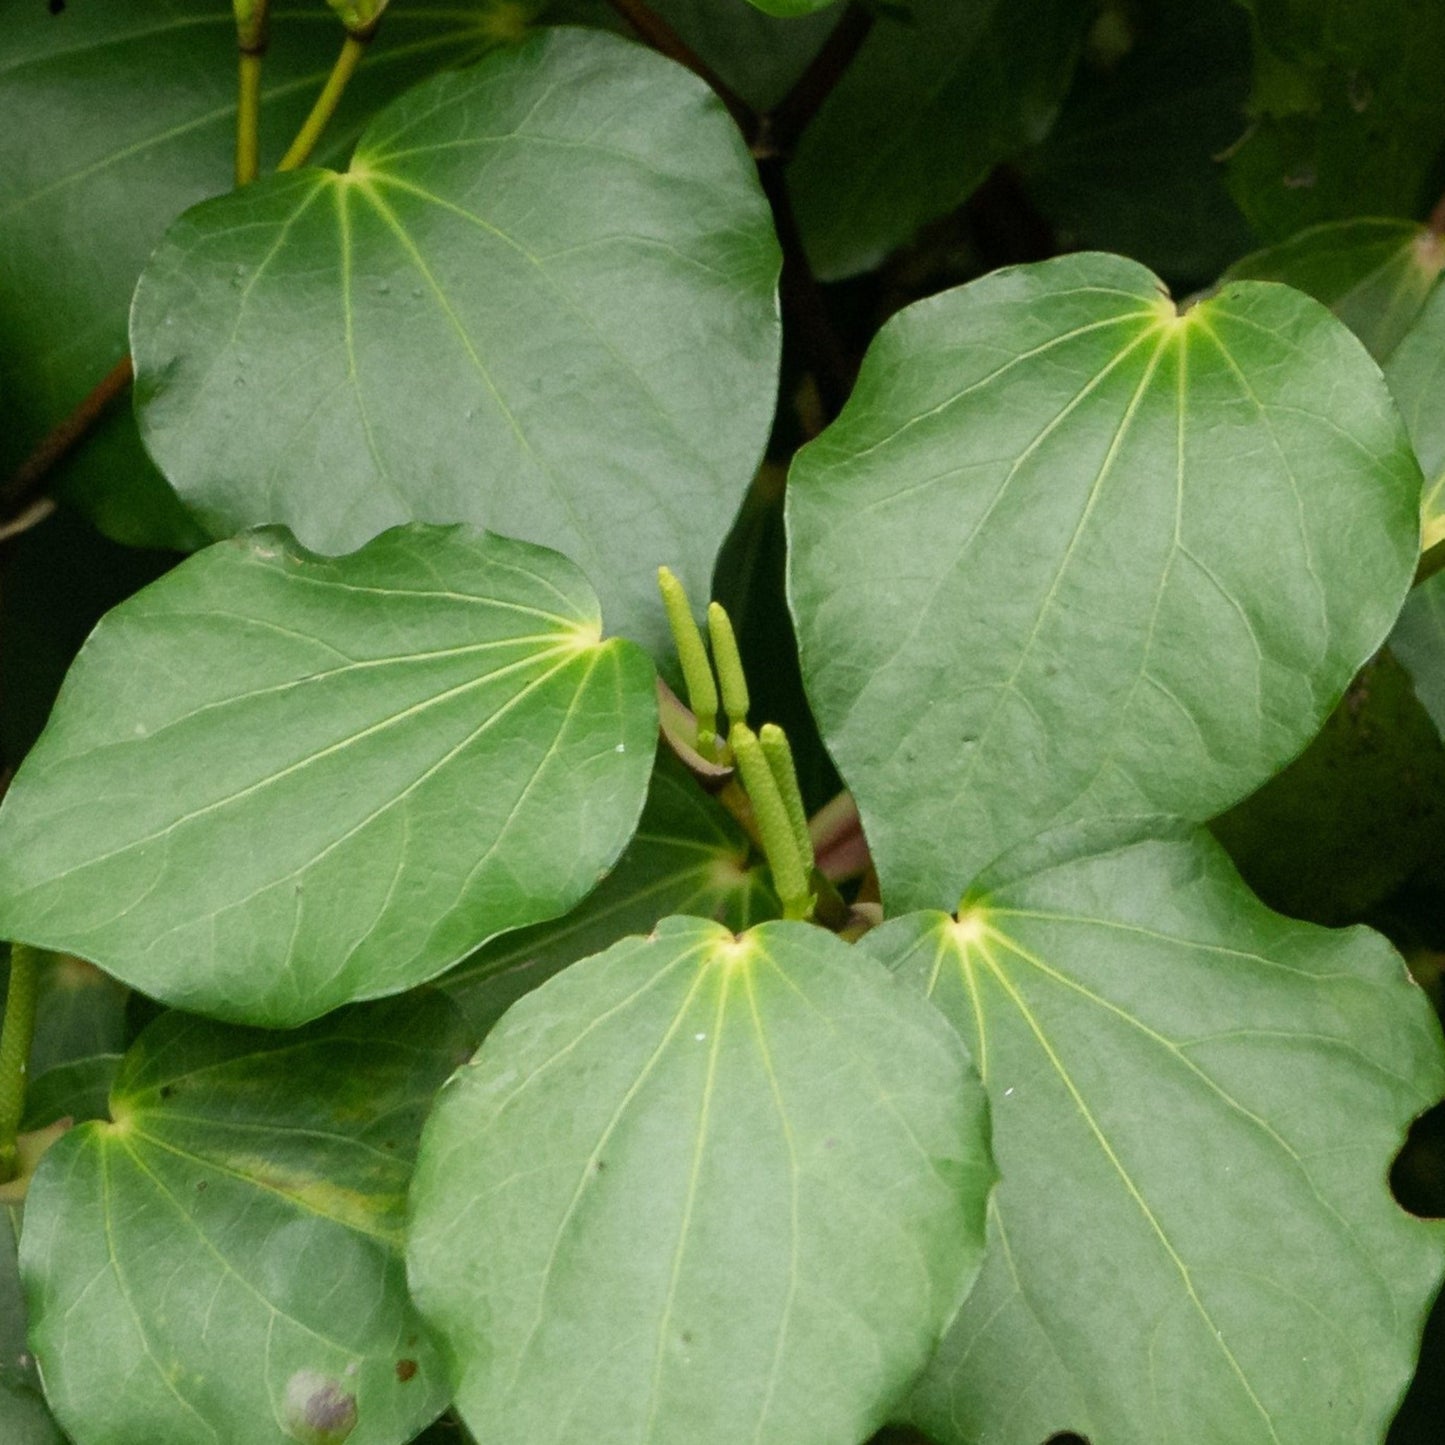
column 822, row 351
column 792, row 115
column 651, row 27
column 26, row 480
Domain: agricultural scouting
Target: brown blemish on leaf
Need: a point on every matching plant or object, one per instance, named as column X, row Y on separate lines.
column 318, row 1411
column 406, row 1370
column 378, row 1214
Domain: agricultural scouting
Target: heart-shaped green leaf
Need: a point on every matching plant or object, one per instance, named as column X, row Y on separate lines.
column 223, row 1261
column 275, row 783
column 1185, row 1246
column 1373, row 274
column 701, row 1188
column 687, row 857
column 1416, row 374
column 542, row 298
column 1067, row 552
column 937, row 96
column 24, row 1419
column 118, row 116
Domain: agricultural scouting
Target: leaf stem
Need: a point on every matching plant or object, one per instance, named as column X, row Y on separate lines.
column 71, row 430
column 16, row 1035
column 656, row 32
column 792, row 115
column 248, row 118
column 53, row 448
column 252, row 34
column 352, row 49
column 821, row 350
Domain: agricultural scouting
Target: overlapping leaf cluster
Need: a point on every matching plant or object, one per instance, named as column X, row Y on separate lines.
column 1083, row 1137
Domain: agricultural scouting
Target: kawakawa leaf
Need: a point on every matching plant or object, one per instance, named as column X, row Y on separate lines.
column 1344, row 119
column 1186, row 1247
column 275, row 783
column 119, row 114
column 1419, row 642
column 759, row 56
column 939, row 94
column 701, row 1188
column 542, row 298
column 1132, row 163
column 687, row 856
column 1374, row 274
column 222, row 1259
column 1355, row 815
column 1067, row 552
column 1416, row 374
column 24, row 1418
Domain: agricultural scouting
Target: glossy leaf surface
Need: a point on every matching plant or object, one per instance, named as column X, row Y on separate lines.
column 1186, row 1244
column 542, row 298
column 753, row 1196
column 1416, row 374
column 428, row 736
column 1068, row 553
column 223, row 1261
column 687, row 857
column 1373, row 274
column 118, row 116
column 931, row 103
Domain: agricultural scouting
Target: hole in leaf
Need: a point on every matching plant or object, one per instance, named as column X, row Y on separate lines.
column 1417, row 1177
